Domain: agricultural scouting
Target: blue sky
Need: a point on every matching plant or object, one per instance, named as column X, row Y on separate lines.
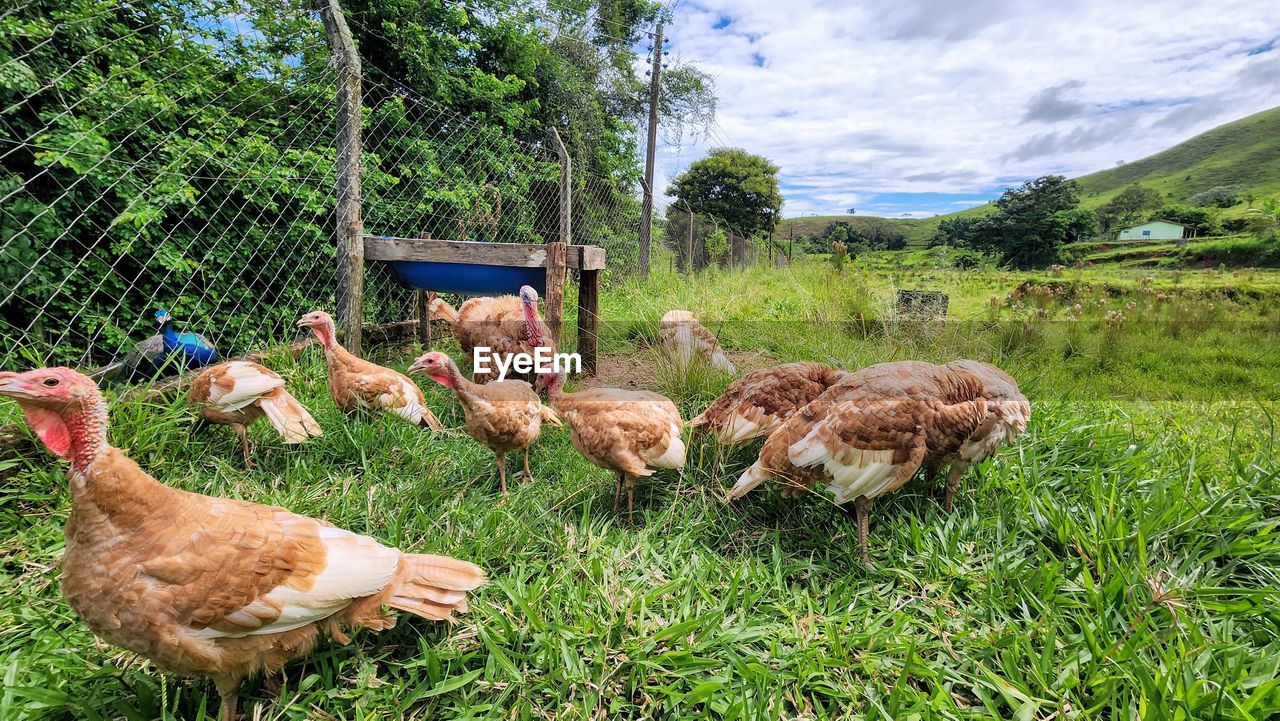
column 919, row 107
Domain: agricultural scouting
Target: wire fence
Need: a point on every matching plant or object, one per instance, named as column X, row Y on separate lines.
column 170, row 156
column 697, row 241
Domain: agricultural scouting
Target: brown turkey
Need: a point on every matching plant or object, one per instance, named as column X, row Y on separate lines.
column 210, row 586
column 758, row 403
column 870, row 432
column 502, row 416
column 237, row 393
column 504, row 324
column 355, row 383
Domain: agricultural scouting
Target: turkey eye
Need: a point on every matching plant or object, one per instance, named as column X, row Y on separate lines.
column 50, row 382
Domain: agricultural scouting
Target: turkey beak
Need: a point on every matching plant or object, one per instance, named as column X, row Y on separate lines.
column 11, row 385
column 417, row 367
column 302, row 323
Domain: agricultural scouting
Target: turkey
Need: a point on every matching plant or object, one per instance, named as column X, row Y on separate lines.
column 355, row 383
column 870, row 432
column 209, row 586
column 504, row 324
column 1008, row 413
column 502, row 416
column 632, row 433
column 682, row 338
column 758, row 403
column 237, row 393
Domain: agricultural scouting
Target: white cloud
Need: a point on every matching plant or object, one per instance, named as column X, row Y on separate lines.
column 856, row 103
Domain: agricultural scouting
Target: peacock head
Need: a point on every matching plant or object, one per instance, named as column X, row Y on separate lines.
column 163, row 317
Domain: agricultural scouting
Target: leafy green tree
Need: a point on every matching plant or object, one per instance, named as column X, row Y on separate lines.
column 1205, row 221
column 1219, row 196
column 1029, row 227
column 735, row 186
column 1128, row 206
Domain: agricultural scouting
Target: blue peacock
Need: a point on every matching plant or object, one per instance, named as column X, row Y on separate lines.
column 183, row 350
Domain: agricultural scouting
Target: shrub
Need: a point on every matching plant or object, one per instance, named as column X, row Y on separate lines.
column 1219, row 196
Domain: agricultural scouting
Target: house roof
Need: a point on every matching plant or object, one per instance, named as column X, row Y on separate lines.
column 1155, row 220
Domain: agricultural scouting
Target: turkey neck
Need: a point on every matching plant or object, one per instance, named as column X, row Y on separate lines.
column 464, row 390
column 106, row 485
column 333, row 351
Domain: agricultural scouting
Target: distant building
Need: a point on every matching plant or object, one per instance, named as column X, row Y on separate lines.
column 1157, row 229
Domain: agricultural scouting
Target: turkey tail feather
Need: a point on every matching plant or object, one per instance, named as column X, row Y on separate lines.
column 722, row 362
column 752, row 477
column 434, row 587
column 288, row 417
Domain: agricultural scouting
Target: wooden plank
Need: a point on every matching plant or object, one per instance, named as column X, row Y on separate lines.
column 554, row 306
column 518, row 255
column 588, row 319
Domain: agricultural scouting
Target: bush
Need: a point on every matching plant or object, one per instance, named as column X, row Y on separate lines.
column 1219, row 196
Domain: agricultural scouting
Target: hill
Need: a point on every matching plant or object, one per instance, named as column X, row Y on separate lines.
column 1245, row 153
column 818, row 224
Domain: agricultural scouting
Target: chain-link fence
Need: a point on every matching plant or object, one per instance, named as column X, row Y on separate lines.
column 698, row 241
column 172, row 156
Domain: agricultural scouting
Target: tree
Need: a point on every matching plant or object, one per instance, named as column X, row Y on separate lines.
column 1028, row 228
column 1205, row 221
column 735, row 186
column 1219, row 196
column 1128, row 206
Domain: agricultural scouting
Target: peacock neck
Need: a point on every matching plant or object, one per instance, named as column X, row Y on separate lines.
column 169, row 335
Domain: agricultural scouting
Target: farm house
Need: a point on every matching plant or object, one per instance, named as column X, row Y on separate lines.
column 1156, row 230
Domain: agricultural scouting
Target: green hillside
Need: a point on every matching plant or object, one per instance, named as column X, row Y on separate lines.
column 818, row 224
column 1245, row 153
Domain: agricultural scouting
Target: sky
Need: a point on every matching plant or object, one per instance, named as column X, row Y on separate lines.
column 921, row 107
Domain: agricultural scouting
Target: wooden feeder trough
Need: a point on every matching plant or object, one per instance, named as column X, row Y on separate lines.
column 475, row 268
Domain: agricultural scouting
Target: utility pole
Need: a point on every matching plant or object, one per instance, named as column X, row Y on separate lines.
column 646, row 213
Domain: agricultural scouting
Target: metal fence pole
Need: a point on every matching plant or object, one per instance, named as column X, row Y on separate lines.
column 349, row 294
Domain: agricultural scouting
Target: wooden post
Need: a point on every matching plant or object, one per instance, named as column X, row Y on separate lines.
column 422, row 302
column 588, row 318
column 349, row 294
column 555, row 290
column 556, row 251
column 424, row 318
column 566, row 190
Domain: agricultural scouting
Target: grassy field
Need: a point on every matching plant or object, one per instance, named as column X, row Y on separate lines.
column 1122, row 561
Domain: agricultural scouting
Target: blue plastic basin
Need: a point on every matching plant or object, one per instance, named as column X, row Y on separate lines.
column 467, row 278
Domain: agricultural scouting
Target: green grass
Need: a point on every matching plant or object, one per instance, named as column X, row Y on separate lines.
column 1120, row 561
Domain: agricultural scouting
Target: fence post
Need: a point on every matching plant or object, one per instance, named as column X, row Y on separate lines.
column 422, row 303
column 349, row 294
column 556, row 259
